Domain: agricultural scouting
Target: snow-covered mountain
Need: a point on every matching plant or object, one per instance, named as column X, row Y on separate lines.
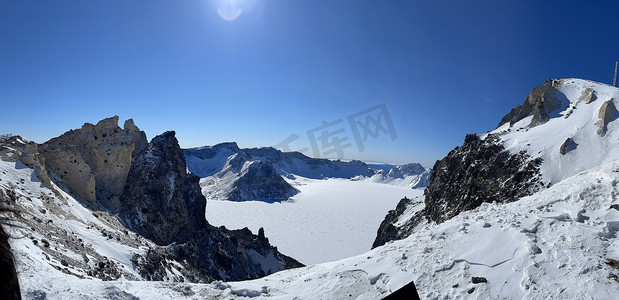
column 556, row 158
column 228, row 172
column 411, row 175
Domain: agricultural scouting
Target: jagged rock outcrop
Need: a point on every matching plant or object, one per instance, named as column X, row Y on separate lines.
column 387, row 231
column 94, row 161
column 163, row 202
column 479, row 171
column 260, row 181
column 607, row 113
column 540, row 102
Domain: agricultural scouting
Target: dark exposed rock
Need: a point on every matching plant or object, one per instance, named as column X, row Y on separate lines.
column 105, row 270
column 161, row 201
column 567, row 146
column 164, row 203
column 615, row 206
column 261, row 181
column 471, row 290
column 613, row 263
column 387, row 231
column 479, row 171
column 477, row 280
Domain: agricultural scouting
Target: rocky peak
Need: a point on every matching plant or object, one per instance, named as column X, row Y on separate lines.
column 138, row 136
column 259, row 181
column 162, row 201
column 481, row 170
column 93, row 161
column 542, row 100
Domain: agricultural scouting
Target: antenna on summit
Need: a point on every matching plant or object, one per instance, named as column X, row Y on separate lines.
column 615, row 80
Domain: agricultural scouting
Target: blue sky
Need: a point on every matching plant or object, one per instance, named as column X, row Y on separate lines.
column 442, row 68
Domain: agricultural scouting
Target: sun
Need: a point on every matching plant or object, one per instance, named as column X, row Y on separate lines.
column 228, row 10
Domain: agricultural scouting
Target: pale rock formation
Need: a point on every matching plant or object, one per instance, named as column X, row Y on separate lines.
column 540, row 102
column 606, row 114
column 587, row 96
column 93, row 162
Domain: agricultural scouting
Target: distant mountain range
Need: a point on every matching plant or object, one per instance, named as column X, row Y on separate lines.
column 230, row 173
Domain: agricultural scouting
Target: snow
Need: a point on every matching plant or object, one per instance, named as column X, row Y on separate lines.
column 328, row 220
column 268, row 263
column 545, row 140
column 210, row 166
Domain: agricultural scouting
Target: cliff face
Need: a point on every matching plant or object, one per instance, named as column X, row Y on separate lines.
column 160, row 199
column 479, row 171
column 94, row 161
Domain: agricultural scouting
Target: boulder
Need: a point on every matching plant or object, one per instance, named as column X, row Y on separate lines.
column 588, row 95
column 567, row 146
column 606, row 114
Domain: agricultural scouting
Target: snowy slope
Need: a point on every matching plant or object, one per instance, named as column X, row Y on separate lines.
column 577, row 120
column 552, row 245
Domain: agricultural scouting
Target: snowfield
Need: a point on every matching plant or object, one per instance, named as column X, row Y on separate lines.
column 328, row 220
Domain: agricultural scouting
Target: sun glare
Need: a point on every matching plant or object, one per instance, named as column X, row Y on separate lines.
column 230, row 10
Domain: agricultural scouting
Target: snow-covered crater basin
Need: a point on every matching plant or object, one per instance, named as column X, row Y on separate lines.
column 328, row 220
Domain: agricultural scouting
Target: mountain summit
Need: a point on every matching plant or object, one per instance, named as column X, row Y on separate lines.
column 564, row 127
